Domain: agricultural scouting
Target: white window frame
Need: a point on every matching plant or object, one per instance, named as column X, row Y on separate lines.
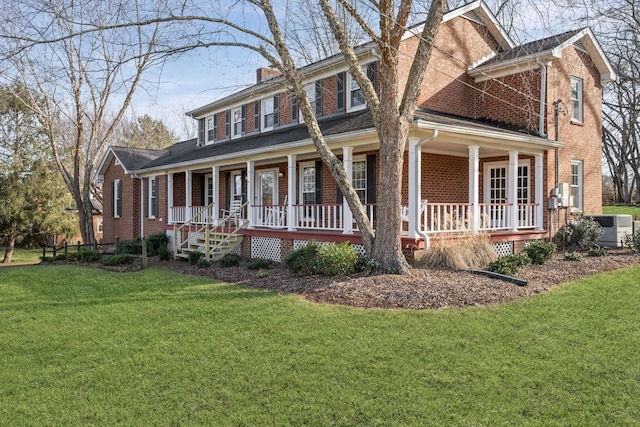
column 116, row 189
column 264, row 112
column 236, row 120
column 363, row 189
column 152, row 195
column 487, row 180
column 577, row 186
column 212, row 129
column 307, row 213
column 100, row 225
column 208, row 189
column 576, row 97
column 349, row 89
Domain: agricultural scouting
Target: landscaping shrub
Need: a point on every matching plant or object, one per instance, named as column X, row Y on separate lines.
column 88, row 255
column 203, row 263
column 540, row 252
column 120, row 259
column 164, row 254
column 259, row 264
column 229, row 260
column 573, row 256
column 582, row 233
column 469, row 252
column 195, row 256
column 597, row 251
column 302, row 261
column 157, row 242
column 131, row 246
column 337, row 259
column 326, row 260
column 263, row 274
column 632, row 241
column 509, row 265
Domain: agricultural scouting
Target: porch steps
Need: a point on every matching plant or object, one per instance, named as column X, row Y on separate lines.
column 220, row 244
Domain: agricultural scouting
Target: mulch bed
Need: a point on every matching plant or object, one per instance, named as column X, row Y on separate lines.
column 422, row 289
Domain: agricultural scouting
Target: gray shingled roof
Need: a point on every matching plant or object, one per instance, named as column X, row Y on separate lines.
column 534, row 47
column 136, row 158
column 186, row 151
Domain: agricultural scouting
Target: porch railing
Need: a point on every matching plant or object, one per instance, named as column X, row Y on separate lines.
column 197, row 214
column 434, row 217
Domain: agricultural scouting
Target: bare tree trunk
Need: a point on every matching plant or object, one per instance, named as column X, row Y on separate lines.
column 11, row 244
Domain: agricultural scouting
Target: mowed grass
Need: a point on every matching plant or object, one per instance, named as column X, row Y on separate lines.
column 80, row 346
column 625, row 210
column 22, row 256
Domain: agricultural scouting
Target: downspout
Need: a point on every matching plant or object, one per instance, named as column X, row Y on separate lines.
column 434, row 135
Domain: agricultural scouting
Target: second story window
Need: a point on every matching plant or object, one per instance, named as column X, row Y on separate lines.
column 355, row 96
column 576, row 99
column 294, row 108
column 212, row 128
column 238, row 116
column 270, row 113
column 117, row 198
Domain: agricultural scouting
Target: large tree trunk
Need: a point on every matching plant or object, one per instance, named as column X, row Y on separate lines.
column 11, row 244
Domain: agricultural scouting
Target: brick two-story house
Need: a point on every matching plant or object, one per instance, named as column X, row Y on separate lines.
column 499, row 131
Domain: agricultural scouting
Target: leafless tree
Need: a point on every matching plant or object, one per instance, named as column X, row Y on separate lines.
column 82, row 81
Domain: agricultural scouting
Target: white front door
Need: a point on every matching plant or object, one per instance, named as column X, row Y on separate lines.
column 208, row 190
column 495, row 193
column 266, row 190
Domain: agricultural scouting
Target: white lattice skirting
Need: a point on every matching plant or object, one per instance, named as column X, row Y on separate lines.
column 503, row 248
column 266, row 247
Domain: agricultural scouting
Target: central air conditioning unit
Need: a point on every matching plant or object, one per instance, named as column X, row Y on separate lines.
column 615, row 228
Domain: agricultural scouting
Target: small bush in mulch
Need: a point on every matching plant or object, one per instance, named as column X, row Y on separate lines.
column 326, row 260
column 164, row 254
column 263, row 274
column 509, row 265
column 156, row 242
column 540, row 252
column 130, row 246
column 632, row 241
column 88, row 256
column 203, row 263
column 113, row 260
column 465, row 253
column 597, row 251
column 573, row 256
column 229, row 260
column 582, row 233
column 195, row 256
column 259, row 264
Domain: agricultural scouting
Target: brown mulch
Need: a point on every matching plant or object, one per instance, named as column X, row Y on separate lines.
column 423, row 289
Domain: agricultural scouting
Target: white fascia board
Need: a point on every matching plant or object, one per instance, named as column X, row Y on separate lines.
column 104, row 163
column 480, row 8
column 488, row 135
column 594, row 49
column 505, row 68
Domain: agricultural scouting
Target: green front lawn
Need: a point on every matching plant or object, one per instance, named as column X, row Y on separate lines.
column 626, row 210
column 80, row 346
column 22, row 256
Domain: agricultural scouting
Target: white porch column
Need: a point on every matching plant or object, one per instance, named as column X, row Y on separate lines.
column 512, row 190
column 250, row 191
column 291, row 192
column 189, row 193
column 474, row 187
column 540, row 199
column 415, row 187
column 170, row 198
column 347, row 215
column 215, row 176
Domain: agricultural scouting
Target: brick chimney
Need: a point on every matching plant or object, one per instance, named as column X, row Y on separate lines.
column 264, row 74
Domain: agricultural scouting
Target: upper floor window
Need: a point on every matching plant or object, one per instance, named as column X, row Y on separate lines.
column 294, row 108
column 576, row 99
column 239, row 121
column 270, row 113
column 212, row 128
column 314, row 94
column 340, row 82
column 576, row 185
column 355, row 96
column 256, row 116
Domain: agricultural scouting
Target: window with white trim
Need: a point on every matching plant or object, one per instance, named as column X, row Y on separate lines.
column 117, row 198
column 576, row 185
column 153, row 197
column 308, row 184
column 576, row 99
column 237, row 122
column 212, row 128
column 359, row 178
column 355, row 97
column 270, row 113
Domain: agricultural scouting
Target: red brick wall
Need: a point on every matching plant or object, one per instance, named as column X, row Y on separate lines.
column 159, row 223
column 128, row 225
